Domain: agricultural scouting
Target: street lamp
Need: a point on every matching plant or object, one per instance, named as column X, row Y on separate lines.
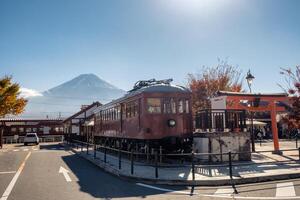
column 249, row 79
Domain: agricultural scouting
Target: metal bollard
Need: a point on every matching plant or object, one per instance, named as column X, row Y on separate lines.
column 131, row 159
column 81, row 147
column 299, row 152
column 156, row 164
column 120, row 159
column 296, row 142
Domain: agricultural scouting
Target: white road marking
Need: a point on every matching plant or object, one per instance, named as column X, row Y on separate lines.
column 253, row 198
column 65, row 173
column 163, row 189
column 224, row 191
column 285, row 189
column 218, row 196
column 25, row 149
column 9, row 172
column 16, row 150
column 267, row 166
column 14, row 180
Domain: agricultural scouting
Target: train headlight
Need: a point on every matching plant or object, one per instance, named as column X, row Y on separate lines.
column 171, row 123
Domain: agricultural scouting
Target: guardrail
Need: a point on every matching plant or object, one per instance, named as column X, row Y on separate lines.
column 46, row 138
column 224, row 120
column 159, row 160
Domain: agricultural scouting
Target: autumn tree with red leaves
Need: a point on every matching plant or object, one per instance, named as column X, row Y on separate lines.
column 209, row 80
column 292, row 87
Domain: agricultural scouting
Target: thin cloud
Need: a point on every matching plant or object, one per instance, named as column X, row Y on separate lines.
column 26, row 93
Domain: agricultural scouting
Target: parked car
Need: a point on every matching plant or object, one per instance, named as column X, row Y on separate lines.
column 31, row 138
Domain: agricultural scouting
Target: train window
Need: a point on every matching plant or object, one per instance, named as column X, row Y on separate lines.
column 128, row 108
column 180, row 106
column 187, row 109
column 154, row 105
column 118, row 112
column 113, row 114
column 123, row 111
column 169, row 105
column 173, row 105
column 136, row 108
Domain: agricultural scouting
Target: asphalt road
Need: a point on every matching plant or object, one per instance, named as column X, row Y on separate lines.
column 32, row 173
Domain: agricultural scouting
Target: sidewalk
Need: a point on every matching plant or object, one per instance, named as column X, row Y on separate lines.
column 256, row 170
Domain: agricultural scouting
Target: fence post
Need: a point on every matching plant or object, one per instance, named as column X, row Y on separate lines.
column 95, row 149
column 120, row 159
column 147, row 153
column 230, row 164
column 193, row 166
column 104, row 153
column 131, row 159
column 87, row 148
column 156, row 164
column 160, row 154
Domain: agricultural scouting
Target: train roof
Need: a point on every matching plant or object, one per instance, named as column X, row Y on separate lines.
column 161, row 88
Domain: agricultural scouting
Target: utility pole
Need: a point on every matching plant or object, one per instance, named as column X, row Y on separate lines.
column 1, row 134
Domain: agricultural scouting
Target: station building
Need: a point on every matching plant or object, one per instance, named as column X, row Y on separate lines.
column 81, row 124
column 19, row 126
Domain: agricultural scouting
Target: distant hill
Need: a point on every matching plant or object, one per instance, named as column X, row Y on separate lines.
column 66, row 98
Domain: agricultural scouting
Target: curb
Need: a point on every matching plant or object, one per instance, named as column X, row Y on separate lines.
column 219, row 182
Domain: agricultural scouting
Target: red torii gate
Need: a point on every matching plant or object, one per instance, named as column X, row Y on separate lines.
column 272, row 103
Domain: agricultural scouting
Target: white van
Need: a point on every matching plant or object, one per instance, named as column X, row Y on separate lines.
column 31, row 138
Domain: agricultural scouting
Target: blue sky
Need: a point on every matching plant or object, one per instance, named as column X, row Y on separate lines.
column 46, row 42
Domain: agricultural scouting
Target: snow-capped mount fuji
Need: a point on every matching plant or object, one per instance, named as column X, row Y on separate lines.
column 85, row 86
column 67, row 98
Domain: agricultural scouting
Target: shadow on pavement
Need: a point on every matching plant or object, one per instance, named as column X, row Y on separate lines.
column 48, row 146
column 100, row 184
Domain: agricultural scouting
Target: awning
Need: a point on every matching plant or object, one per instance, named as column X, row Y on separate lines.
column 255, row 122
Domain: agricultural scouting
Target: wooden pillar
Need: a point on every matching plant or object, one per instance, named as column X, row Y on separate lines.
column 274, row 127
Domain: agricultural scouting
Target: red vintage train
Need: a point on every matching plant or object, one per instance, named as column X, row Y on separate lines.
column 154, row 114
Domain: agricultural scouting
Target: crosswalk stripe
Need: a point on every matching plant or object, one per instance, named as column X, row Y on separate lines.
column 25, row 149
column 16, row 150
column 224, row 191
column 285, row 189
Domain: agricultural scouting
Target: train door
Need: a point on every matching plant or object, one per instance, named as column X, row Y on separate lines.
column 122, row 118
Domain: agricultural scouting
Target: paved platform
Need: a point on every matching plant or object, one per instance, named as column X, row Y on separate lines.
column 263, row 167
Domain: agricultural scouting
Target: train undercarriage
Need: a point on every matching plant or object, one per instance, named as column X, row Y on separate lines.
column 165, row 145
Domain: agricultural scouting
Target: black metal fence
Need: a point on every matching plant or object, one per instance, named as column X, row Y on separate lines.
column 220, row 120
column 229, row 165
